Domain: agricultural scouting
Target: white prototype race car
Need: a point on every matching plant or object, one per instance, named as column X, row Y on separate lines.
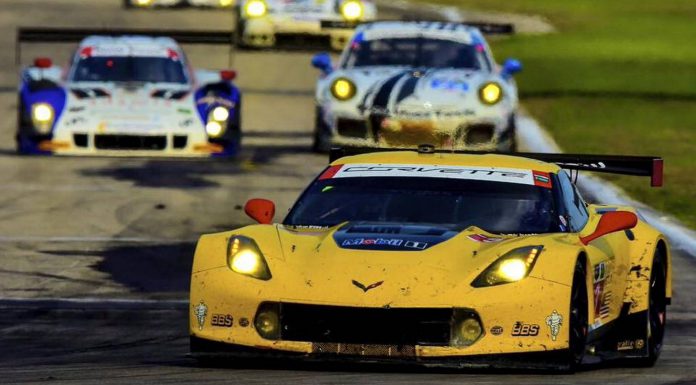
column 402, row 83
column 179, row 3
column 267, row 23
column 126, row 95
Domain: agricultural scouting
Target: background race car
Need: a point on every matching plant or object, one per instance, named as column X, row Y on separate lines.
column 266, row 23
column 178, row 3
column 439, row 259
column 127, row 95
column 407, row 83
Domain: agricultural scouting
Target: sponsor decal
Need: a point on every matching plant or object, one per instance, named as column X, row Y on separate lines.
column 216, row 100
column 625, row 345
column 602, row 297
column 554, row 322
column 244, row 322
column 449, row 84
column 542, row 179
column 521, row 329
column 223, row 320
column 367, row 288
column 373, row 241
column 416, row 245
column 640, row 343
column 494, row 174
column 497, row 330
column 484, row 238
column 200, row 311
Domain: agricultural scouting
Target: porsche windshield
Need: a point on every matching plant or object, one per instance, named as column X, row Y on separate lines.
column 415, row 52
column 497, row 207
column 129, row 69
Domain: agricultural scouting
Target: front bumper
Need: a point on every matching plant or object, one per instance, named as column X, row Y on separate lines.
column 273, row 30
column 227, row 353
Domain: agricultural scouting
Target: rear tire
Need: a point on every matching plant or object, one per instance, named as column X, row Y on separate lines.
column 657, row 311
column 578, row 317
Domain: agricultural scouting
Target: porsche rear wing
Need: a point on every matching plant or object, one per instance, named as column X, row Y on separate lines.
column 651, row 166
column 75, row 35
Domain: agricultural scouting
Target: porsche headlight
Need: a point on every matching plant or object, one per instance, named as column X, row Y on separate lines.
column 42, row 116
column 514, row 266
column 490, row 93
column 255, row 8
column 217, row 121
column 244, row 257
column 352, row 10
column 343, row 89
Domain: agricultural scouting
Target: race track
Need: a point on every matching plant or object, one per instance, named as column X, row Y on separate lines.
column 95, row 252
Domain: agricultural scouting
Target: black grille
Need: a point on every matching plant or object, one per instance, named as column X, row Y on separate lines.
column 352, row 128
column 479, row 134
column 80, row 140
column 130, row 142
column 353, row 325
column 180, row 141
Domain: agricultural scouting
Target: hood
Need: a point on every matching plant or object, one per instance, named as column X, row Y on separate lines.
column 128, row 107
column 419, row 262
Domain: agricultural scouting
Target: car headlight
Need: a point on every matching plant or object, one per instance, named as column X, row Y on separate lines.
column 217, row 121
column 352, row 10
column 343, row 89
column 143, row 3
column 514, row 266
column 255, row 8
column 490, row 93
column 244, row 257
column 42, row 116
column 226, row 3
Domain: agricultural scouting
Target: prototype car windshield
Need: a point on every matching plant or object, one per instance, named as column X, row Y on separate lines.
column 414, row 52
column 129, row 69
column 496, row 207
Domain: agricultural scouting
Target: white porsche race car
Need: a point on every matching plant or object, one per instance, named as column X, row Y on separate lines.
column 127, row 95
column 403, row 83
column 267, row 23
column 179, row 3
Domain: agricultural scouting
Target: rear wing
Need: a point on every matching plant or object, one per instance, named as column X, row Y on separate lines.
column 651, row 166
column 75, row 35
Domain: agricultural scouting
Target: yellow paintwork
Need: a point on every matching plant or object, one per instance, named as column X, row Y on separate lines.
column 308, row 267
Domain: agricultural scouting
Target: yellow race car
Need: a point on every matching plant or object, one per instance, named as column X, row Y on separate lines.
column 440, row 259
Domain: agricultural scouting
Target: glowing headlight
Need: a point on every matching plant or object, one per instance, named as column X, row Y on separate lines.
column 255, row 8
column 221, row 114
column 226, row 3
column 514, row 266
column 214, row 129
column 490, row 93
column 343, row 89
column 42, row 116
column 352, row 10
column 244, row 257
column 143, row 3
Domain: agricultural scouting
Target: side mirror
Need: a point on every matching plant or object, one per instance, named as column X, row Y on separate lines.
column 511, row 67
column 43, row 62
column 260, row 210
column 612, row 222
column 228, row 75
column 322, row 62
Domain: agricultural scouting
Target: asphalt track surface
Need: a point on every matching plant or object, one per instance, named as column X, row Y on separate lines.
column 121, row 232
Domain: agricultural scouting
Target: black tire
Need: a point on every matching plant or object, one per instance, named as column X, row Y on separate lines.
column 657, row 311
column 578, row 317
column 322, row 137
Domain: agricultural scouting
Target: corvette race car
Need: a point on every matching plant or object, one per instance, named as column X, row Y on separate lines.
column 266, row 23
column 402, row 83
column 178, row 3
column 126, row 95
column 439, row 259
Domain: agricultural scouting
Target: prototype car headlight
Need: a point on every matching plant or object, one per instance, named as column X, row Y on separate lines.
column 42, row 116
column 490, row 93
column 143, row 3
column 514, row 266
column 244, row 257
column 217, row 121
column 352, row 10
column 255, row 8
column 343, row 89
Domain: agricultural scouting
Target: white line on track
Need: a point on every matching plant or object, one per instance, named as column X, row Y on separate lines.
column 94, row 239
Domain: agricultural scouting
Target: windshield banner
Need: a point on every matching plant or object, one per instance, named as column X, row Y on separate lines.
column 492, row 174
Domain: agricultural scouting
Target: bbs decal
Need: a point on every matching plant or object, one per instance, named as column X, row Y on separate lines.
column 520, row 329
column 223, row 320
